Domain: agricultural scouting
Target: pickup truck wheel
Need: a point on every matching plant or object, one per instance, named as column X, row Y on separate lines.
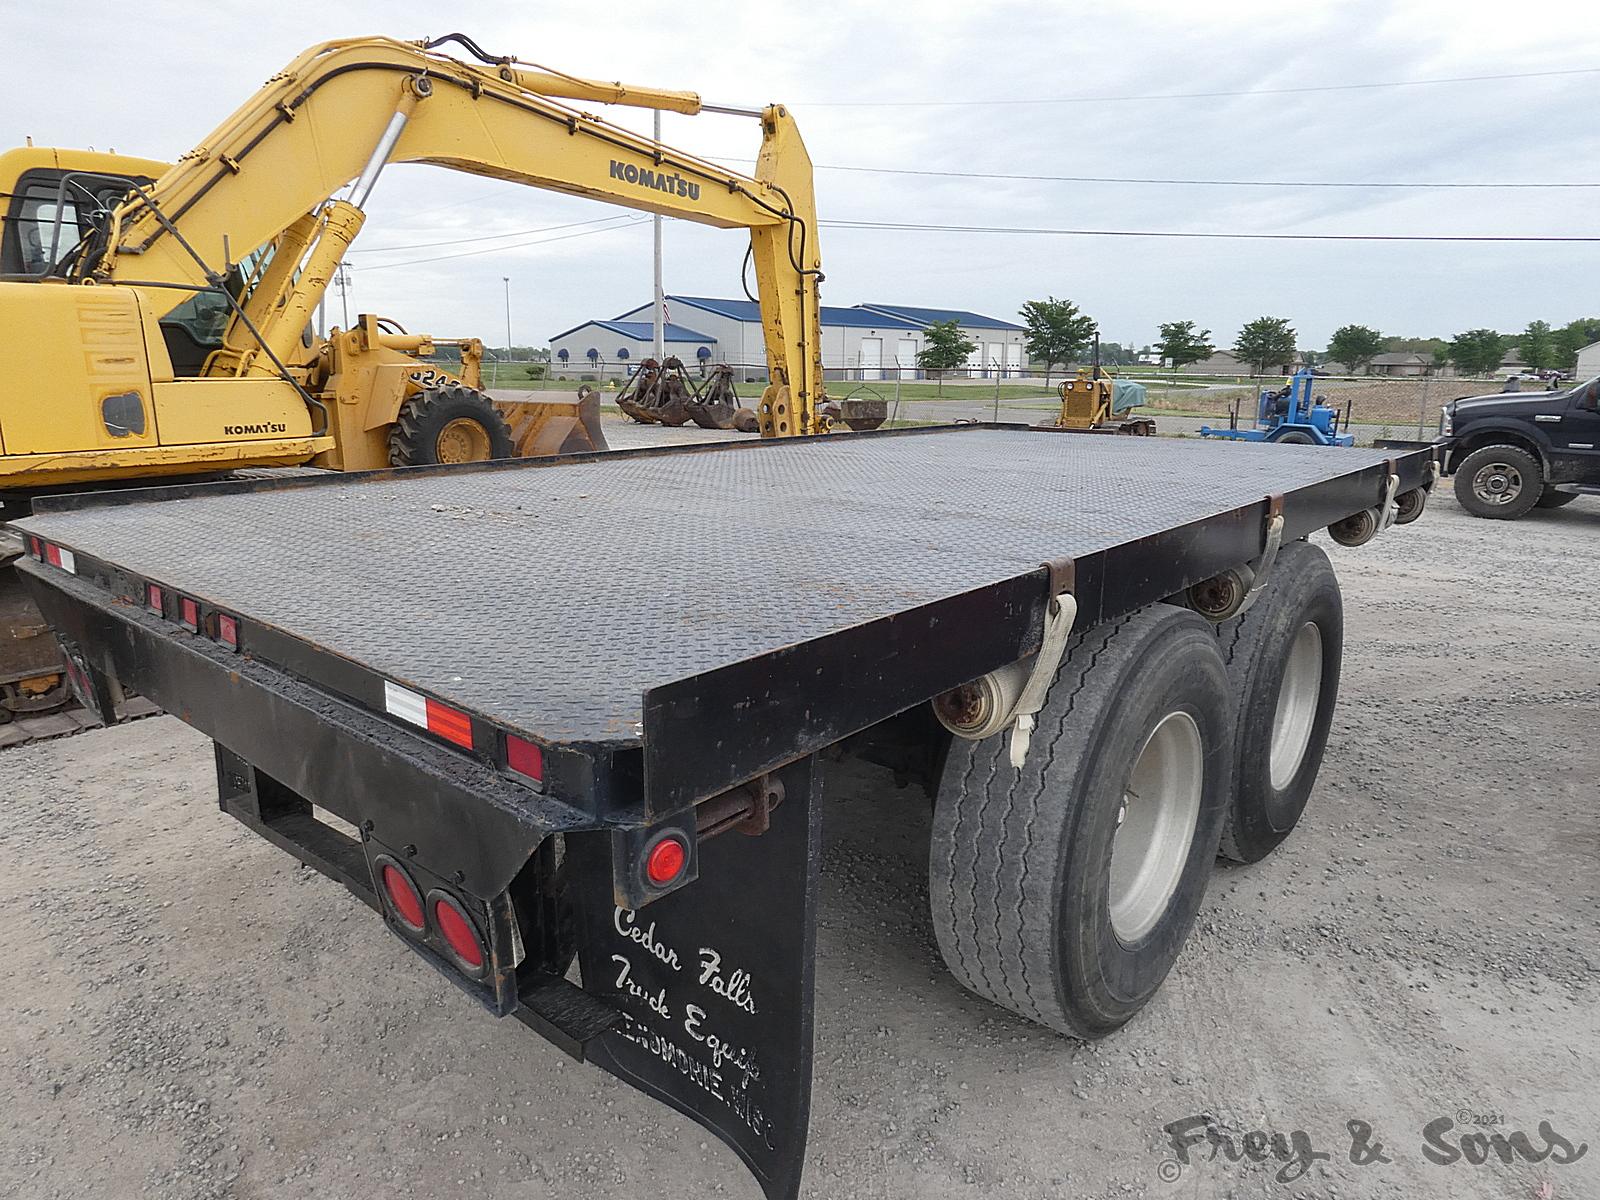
column 1499, row 482
column 1064, row 891
column 1283, row 655
column 1550, row 498
column 448, row 424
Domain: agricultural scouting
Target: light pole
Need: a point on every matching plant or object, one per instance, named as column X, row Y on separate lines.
column 505, row 279
column 658, row 319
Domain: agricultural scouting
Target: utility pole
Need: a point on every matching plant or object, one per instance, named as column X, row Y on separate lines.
column 342, row 276
column 657, row 318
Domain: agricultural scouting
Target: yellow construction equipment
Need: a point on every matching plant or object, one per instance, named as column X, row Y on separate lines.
column 157, row 319
column 1088, row 405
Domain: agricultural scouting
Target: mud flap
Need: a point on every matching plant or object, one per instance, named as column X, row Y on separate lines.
column 715, row 984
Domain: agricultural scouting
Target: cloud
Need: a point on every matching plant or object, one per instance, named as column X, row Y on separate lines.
column 812, row 56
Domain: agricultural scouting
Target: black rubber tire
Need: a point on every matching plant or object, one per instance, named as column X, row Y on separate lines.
column 1550, row 498
column 413, row 439
column 1528, row 467
column 1019, row 865
column 1302, row 588
column 1409, row 505
column 1295, row 438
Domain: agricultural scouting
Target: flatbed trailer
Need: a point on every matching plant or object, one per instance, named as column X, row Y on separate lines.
column 559, row 720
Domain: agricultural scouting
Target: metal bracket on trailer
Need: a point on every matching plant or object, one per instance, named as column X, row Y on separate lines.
column 1261, row 568
column 1010, row 696
column 1389, row 509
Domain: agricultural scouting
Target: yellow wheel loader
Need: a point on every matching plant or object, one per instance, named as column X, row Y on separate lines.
column 157, row 318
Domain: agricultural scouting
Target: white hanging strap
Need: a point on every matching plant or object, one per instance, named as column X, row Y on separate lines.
column 1391, row 508
column 1058, row 618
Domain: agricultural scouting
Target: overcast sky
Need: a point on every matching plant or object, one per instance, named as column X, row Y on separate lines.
column 850, row 70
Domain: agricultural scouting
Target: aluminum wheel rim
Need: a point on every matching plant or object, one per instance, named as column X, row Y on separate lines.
column 462, row 440
column 1298, row 694
column 1156, row 824
column 1497, row 483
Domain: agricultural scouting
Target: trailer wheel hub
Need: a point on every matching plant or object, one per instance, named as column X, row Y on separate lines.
column 1160, row 808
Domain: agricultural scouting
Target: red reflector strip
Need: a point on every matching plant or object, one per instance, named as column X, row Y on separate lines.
column 155, row 599
column 189, row 614
column 449, row 724
column 57, row 557
column 525, row 758
column 436, row 718
column 228, row 631
column 36, row 548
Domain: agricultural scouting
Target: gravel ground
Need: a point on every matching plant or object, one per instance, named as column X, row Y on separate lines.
column 192, row 1015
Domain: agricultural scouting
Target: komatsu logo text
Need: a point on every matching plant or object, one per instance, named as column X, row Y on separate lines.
column 247, row 430
column 657, row 181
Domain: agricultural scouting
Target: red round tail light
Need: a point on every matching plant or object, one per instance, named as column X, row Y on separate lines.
column 666, row 860
column 404, row 899
column 458, row 931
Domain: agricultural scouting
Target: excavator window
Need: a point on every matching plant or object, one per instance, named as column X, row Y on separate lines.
column 51, row 211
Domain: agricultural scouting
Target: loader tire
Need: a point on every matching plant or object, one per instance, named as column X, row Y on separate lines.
column 1064, row 891
column 448, row 424
column 1283, row 655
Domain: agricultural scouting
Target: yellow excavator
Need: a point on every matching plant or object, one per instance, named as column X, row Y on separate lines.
column 156, row 319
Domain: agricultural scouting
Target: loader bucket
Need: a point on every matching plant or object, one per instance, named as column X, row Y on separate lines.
column 544, row 427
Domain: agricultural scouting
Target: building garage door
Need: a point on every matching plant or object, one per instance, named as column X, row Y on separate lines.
column 1014, row 363
column 905, row 358
column 872, row 358
column 994, row 357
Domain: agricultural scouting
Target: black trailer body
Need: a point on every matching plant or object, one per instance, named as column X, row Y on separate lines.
column 540, row 710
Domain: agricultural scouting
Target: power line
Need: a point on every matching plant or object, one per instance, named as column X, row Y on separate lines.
column 489, row 237
column 1181, row 233
column 1264, row 183
column 1281, row 91
column 412, row 262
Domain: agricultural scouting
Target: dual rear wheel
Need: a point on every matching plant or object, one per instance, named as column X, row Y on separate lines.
column 1065, row 891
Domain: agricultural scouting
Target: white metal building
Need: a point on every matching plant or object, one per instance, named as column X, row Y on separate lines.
column 1000, row 345
column 611, row 349
column 1589, row 361
column 867, row 342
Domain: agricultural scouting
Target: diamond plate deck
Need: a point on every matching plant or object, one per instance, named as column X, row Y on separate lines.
column 548, row 596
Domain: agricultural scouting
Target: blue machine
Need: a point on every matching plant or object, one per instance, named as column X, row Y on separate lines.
column 1290, row 414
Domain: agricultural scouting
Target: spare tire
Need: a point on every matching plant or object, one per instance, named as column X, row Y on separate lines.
column 1283, row 655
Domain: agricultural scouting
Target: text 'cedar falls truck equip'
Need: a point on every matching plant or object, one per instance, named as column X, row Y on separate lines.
column 570, row 751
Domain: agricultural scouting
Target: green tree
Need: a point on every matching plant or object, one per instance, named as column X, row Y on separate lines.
column 1266, row 342
column 1477, row 351
column 1056, row 332
column 1355, row 346
column 1537, row 345
column 1181, row 343
column 944, row 348
column 1572, row 337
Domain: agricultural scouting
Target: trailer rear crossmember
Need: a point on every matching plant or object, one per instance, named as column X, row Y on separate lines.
column 549, row 711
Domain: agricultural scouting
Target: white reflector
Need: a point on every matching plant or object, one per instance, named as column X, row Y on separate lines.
column 405, row 704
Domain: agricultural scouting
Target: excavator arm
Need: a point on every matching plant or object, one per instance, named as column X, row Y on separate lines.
column 336, row 115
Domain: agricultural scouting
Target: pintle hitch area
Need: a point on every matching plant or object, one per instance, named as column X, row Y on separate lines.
column 1012, row 696
column 1232, row 592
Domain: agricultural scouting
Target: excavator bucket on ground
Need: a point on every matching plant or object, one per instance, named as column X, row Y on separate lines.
column 540, row 427
column 716, row 403
column 658, row 394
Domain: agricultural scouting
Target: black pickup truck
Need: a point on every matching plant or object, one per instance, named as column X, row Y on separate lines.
column 1516, row 451
column 547, row 710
